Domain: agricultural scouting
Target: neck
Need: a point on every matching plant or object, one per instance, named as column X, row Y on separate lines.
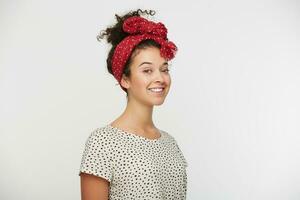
column 137, row 115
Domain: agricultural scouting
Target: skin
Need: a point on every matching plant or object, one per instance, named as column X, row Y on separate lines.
column 93, row 187
column 148, row 69
column 137, row 117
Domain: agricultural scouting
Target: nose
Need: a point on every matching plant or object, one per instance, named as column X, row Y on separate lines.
column 159, row 76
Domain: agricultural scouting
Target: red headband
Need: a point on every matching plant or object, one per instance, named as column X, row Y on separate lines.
column 140, row 29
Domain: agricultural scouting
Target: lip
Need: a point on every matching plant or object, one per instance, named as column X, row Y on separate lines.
column 157, row 93
column 157, row 87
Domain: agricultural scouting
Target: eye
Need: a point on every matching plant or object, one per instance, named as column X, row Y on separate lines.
column 166, row 70
column 147, row 70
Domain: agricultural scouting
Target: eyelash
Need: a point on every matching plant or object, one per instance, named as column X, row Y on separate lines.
column 146, row 71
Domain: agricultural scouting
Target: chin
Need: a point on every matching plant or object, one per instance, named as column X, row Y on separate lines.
column 158, row 103
column 156, row 100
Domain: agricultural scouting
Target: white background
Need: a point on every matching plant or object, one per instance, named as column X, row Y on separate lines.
column 233, row 106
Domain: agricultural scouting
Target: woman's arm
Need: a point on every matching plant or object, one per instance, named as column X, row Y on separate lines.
column 93, row 187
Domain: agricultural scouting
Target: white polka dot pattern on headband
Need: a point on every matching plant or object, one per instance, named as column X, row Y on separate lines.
column 135, row 166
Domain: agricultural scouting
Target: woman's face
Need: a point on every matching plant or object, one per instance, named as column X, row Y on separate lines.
column 149, row 70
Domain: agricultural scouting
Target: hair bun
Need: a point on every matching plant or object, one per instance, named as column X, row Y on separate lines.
column 115, row 34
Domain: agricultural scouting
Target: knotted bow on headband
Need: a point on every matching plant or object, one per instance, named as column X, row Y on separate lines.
column 140, row 29
column 139, row 25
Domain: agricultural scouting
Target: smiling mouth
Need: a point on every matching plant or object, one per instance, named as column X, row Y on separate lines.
column 159, row 90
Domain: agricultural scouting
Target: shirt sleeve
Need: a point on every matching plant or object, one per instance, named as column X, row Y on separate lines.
column 96, row 156
column 181, row 154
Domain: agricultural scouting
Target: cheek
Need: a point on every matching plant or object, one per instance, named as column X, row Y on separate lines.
column 168, row 79
column 140, row 82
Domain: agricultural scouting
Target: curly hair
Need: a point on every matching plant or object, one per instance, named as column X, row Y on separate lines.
column 114, row 35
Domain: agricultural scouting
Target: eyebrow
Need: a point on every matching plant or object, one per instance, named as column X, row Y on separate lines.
column 165, row 63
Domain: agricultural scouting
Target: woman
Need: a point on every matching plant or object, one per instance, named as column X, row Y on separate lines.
column 130, row 158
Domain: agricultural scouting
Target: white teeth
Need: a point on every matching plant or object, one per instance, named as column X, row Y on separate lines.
column 156, row 89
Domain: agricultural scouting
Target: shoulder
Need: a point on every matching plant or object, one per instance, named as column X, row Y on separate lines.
column 171, row 139
column 168, row 135
column 100, row 135
column 177, row 148
column 99, row 132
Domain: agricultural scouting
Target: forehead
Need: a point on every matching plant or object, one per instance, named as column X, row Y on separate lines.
column 149, row 54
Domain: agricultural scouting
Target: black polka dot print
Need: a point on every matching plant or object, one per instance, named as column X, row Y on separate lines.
column 136, row 167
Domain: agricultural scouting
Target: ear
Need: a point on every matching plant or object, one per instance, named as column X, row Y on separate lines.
column 125, row 81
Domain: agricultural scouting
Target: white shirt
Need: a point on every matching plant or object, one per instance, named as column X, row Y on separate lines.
column 135, row 166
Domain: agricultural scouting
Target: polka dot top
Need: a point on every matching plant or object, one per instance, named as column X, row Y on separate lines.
column 136, row 167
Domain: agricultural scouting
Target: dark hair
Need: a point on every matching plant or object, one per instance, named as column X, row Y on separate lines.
column 115, row 34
